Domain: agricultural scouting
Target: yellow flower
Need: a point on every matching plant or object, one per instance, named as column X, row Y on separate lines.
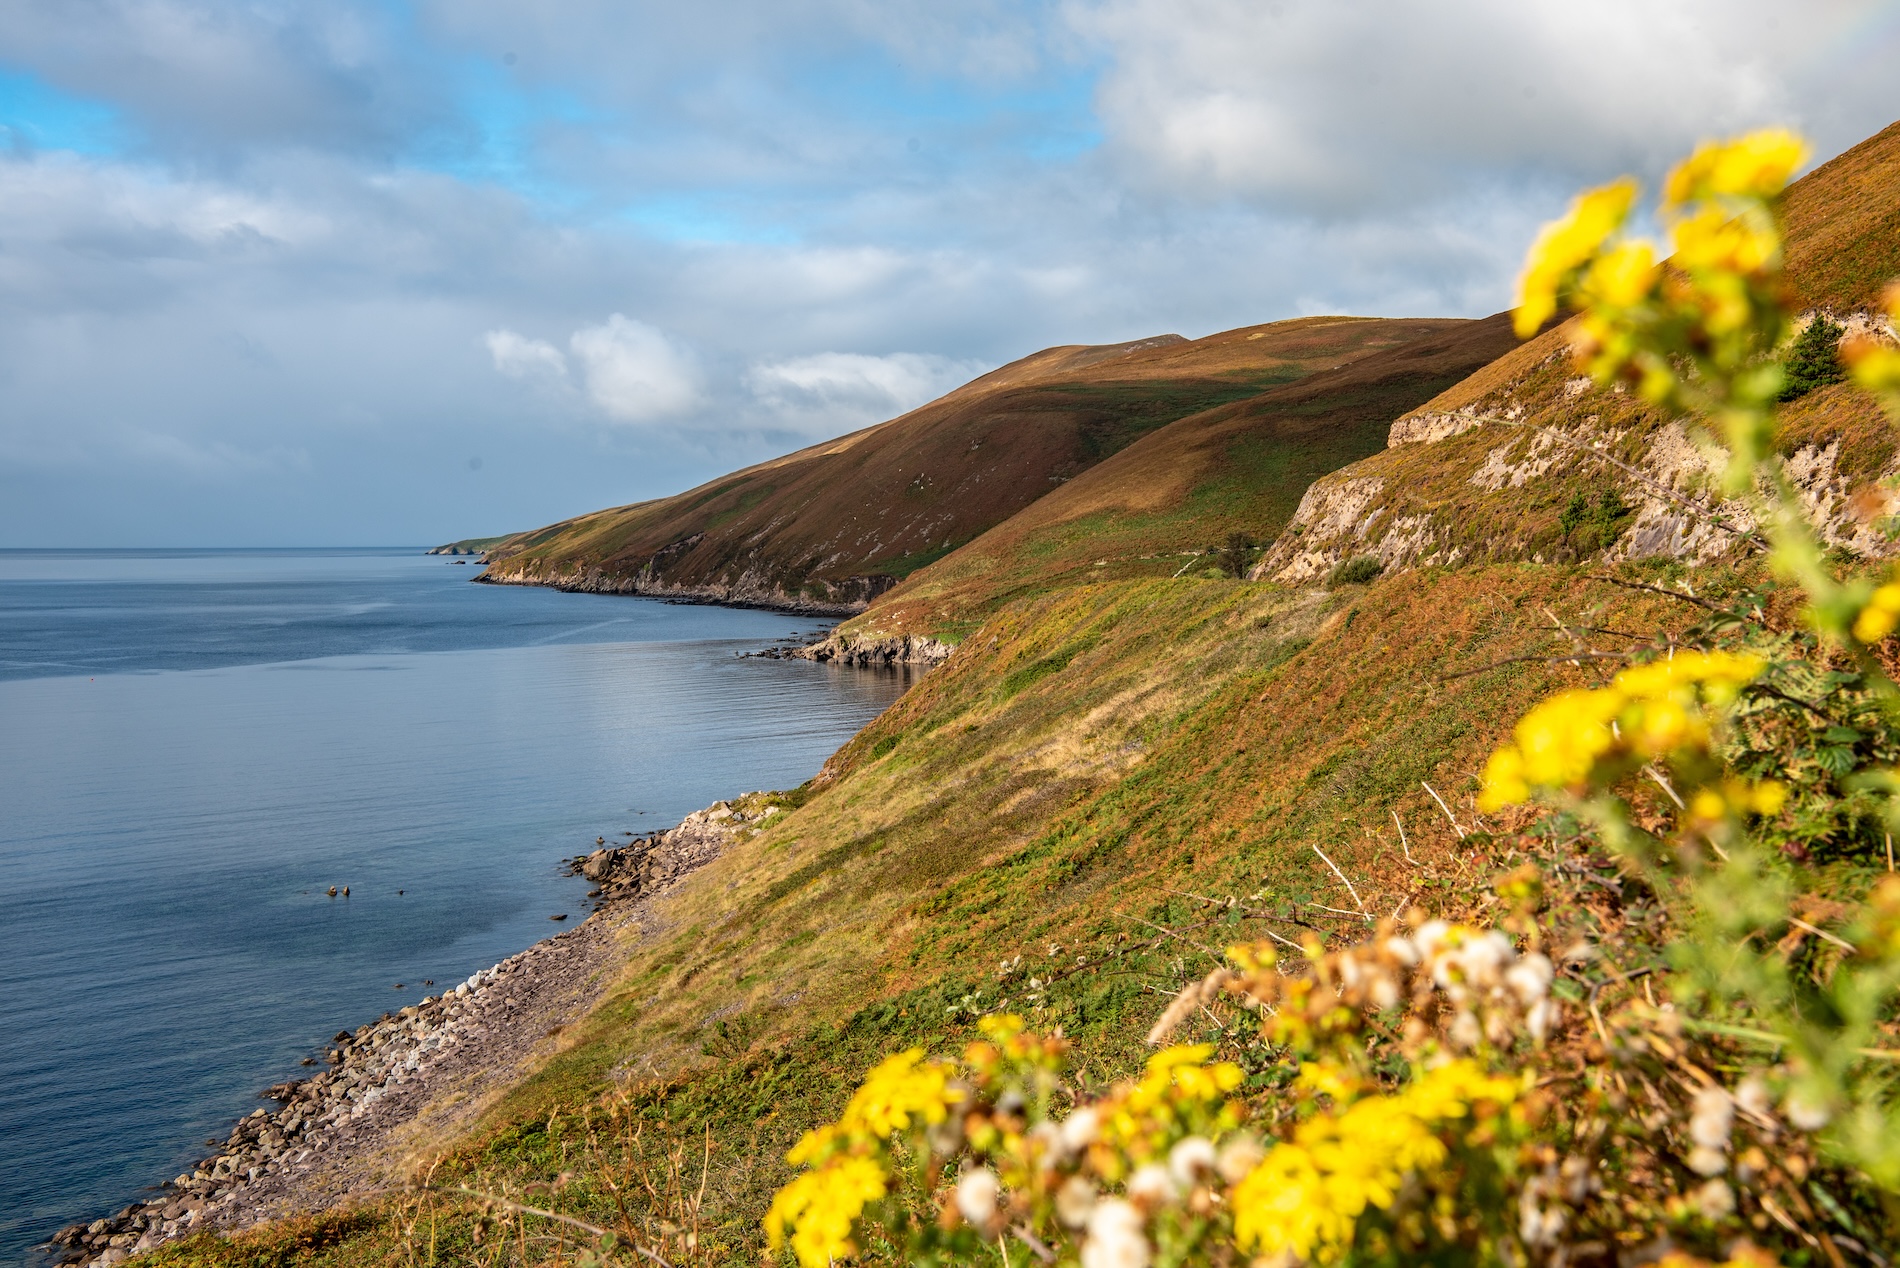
column 1567, row 245
column 1307, row 1194
column 903, row 1087
column 1504, row 783
column 1875, row 366
column 820, row 1208
column 1881, row 614
column 1621, row 277
column 1717, row 242
column 1756, row 165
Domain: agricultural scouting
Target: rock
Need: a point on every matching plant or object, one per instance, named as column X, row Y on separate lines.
column 562, row 916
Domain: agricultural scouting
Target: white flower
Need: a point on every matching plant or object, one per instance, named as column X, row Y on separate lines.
column 1715, row 1200
column 1712, row 1119
column 1465, row 1032
column 1190, row 1160
column 1805, row 1112
column 1114, row 1237
column 1429, row 936
column 1402, row 950
column 1074, row 1200
column 977, row 1192
column 1238, row 1158
column 1080, row 1129
column 1047, row 1139
column 1541, row 1017
column 1384, row 992
column 1707, row 1162
column 1530, row 978
column 1484, row 957
column 1151, row 1186
column 1752, row 1095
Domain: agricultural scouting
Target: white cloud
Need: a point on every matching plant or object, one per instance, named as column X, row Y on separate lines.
column 519, row 357
column 841, row 391
column 1334, row 107
column 634, row 372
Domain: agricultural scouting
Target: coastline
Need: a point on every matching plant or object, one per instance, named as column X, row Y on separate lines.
column 750, row 592
column 402, row 1087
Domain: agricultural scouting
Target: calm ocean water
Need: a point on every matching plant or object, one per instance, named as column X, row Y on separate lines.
column 195, row 745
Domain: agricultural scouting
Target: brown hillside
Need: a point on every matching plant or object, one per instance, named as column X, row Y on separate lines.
column 1489, row 468
column 1159, row 506
column 833, row 525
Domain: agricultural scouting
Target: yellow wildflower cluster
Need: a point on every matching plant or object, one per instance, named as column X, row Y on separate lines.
column 1877, row 619
column 1709, row 201
column 1715, row 301
column 1565, row 247
column 1576, row 740
column 1180, row 1093
column 821, row 1207
column 1305, row 1199
column 847, row 1170
column 1757, row 165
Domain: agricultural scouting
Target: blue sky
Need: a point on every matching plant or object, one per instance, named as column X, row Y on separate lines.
column 275, row 272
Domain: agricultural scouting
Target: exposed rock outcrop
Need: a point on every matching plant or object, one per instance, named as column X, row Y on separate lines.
column 875, row 650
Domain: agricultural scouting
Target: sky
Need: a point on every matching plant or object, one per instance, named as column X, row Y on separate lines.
column 403, row 271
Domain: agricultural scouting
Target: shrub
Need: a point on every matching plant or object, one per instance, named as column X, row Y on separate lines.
column 1356, row 571
column 1593, row 524
column 1814, row 360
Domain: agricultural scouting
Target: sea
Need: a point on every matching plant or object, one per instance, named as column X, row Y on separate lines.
column 196, row 745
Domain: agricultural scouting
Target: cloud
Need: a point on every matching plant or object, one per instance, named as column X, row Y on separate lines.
column 634, row 372
column 841, row 391
column 387, row 237
column 519, row 357
column 1340, row 107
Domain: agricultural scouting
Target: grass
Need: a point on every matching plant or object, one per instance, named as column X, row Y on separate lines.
column 894, row 499
column 1061, row 786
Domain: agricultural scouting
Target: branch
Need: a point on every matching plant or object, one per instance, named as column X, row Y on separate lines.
column 550, row 1215
column 1666, row 593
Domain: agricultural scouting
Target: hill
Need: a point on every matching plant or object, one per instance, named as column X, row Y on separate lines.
column 1527, row 459
column 1171, row 502
column 832, row 526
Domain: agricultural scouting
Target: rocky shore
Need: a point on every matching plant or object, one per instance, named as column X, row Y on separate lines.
column 871, row 650
column 399, row 1087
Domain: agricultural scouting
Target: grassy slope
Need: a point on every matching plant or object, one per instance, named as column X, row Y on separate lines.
column 1084, row 763
column 892, row 498
column 1236, row 468
column 1070, row 774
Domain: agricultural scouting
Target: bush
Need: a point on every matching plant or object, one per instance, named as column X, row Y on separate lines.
column 1814, row 360
column 1356, row 571
column 1592, row 524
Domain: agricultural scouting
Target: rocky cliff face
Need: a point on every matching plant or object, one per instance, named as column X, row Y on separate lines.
column 1496, row 471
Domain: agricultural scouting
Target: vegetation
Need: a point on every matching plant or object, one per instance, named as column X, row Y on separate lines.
column 1815, row 359
column 1356, row 571
column 1512, row 913
column 839, row 522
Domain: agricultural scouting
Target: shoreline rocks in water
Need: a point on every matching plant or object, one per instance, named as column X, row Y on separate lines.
column 333, row 1135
